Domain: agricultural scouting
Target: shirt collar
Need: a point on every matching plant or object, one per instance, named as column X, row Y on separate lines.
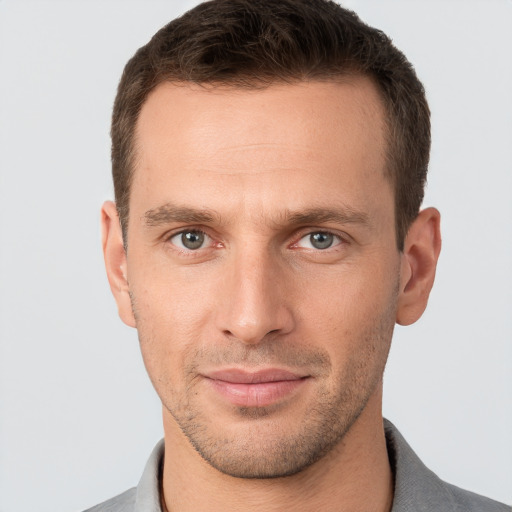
column 416, row 487
column 148, row 491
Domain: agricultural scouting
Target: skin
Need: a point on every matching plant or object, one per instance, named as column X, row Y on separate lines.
column 256, row 173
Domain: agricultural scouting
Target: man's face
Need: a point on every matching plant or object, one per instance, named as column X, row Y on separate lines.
column 262, row 266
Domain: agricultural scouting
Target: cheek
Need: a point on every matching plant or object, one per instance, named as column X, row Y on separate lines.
column 173, row 298
column 350, row 307
column 349, row 294
column 172, row 314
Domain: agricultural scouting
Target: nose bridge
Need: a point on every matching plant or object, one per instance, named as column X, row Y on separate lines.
column 254, row 302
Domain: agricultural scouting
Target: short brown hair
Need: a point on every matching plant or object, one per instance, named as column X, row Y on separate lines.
column 255, row 43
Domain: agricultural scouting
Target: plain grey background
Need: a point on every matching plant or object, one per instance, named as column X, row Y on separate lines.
column 78, row 416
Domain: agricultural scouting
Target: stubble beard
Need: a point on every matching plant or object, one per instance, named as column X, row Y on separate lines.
column 269, row 446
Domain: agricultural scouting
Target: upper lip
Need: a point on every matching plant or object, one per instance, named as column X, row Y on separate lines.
column 238, row 376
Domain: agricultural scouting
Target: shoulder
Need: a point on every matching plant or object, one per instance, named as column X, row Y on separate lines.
column 466, row 501
column 124, row 502
column 417, row 488
column 143, row 498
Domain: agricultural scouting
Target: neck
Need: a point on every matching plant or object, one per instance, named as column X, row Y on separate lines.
column 354, row 476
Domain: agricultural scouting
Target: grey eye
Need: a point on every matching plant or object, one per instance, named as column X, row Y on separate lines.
column 190, row 240
column 321, row 240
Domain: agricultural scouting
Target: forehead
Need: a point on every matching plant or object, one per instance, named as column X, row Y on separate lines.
column 310, row 109
column 286, row 138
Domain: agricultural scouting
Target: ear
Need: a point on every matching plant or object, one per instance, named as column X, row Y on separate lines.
column 418, row 267
column 115, row 261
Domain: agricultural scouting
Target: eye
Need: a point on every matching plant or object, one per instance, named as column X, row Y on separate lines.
column 319, row 240
column 190, row 240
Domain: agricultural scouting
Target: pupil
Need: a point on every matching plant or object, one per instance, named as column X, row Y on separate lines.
column 321, row 240
column 192, row 239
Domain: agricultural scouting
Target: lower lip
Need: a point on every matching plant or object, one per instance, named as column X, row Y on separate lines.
column 256, row 395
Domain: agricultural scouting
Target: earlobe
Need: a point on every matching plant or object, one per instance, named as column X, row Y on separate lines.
column 418, row 268
column 115, row 261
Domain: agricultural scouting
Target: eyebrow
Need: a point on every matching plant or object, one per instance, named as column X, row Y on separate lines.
column 169, row 213
column 344, row 215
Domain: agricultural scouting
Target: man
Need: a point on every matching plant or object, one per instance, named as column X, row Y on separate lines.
column 269, row 159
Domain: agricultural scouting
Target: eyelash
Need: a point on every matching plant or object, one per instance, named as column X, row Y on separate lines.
column 186, row 250
column 337, row 240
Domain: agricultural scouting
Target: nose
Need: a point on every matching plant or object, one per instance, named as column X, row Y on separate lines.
column 254, row 304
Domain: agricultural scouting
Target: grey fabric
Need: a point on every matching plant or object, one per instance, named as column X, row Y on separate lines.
column 146, row 496
column 417, row 489
column 123, row 502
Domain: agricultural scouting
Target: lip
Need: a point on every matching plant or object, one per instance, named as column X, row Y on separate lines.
column 259, row 388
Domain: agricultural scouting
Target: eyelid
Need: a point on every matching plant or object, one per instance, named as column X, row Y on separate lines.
column 209, row 240
column 341, row 238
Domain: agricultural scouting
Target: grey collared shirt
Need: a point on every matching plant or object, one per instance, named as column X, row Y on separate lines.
column 417, row 489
